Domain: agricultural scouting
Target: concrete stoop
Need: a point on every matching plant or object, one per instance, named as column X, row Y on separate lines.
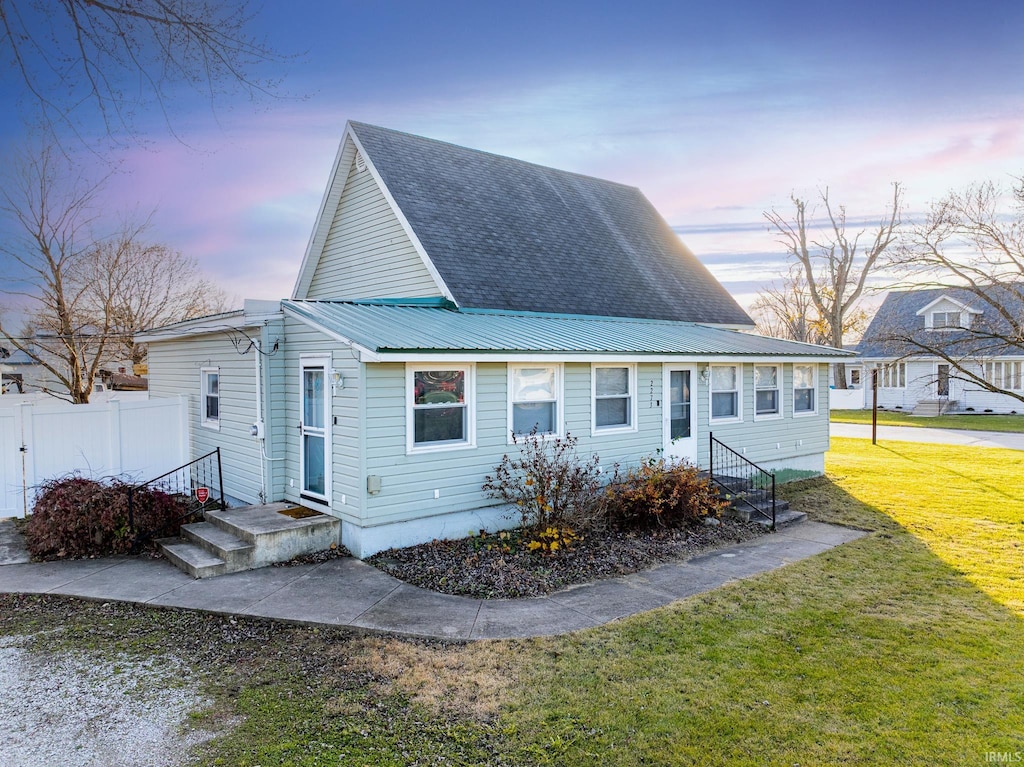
column 249, row 537
column 930, row 408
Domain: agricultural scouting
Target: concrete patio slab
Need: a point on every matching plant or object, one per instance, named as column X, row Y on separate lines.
column 348, row 592
column 231, row 593
column 411, row 610
column 43, row 577
column 335, row 592
column 604, row 601
column 12, row 544
column 129, row 579
column 521, row 618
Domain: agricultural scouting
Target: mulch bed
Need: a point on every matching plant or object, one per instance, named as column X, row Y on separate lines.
column 499, row 566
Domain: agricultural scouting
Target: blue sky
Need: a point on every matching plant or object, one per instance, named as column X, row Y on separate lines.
column 716, row 111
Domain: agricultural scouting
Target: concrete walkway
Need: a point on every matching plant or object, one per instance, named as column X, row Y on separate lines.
column 347, row 592
column 1011, row 440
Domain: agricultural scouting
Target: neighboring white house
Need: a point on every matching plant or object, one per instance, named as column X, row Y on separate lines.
column 451, row 298
column 939, row 317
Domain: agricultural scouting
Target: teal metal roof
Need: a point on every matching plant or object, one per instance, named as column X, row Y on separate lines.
column 393, row 329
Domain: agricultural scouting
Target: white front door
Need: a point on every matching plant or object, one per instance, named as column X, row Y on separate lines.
column 314, row 428
column 679, row 412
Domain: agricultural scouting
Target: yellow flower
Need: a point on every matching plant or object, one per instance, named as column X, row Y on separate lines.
column 533, row 545
column 554, row 545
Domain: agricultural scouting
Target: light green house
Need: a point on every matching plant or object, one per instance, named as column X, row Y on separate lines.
column 449, row 299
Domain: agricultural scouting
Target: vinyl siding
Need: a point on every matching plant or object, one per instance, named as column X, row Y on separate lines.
column 346, row 440
column 921, row 377
column 408, row 481
column 767, row 440
column 367, row 253
column 174, row 368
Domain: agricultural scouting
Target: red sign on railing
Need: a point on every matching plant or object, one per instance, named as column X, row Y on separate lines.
column 202, row 494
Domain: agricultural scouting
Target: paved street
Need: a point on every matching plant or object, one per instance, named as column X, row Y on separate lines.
column 1011, row 440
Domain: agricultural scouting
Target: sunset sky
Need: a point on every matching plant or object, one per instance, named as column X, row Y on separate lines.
column 717, row 111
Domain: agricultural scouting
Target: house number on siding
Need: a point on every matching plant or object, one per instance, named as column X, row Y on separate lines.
column 651, row 404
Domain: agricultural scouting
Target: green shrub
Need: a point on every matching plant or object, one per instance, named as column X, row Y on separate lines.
column 75, row 517
column 549, row 484
column 660, row 494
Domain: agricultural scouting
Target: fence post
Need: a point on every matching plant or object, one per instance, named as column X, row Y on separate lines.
column 115, row 437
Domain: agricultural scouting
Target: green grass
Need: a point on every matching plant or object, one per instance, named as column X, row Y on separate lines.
column 981, row 422
column 905, row 647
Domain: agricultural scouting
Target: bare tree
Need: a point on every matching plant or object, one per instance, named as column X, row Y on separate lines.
column 970, row 245
column 834, row 263
column 79, row 60
column 156, row 286
column 84, row 293
column 787, row 311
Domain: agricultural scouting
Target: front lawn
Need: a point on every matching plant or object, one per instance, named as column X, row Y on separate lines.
column 905, row 647
column 977, row 421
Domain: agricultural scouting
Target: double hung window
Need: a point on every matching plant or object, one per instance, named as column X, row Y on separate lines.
column 534, row 399
column 804, row 400
column 440, row 408
column 209, row 406
column 766, row 390
column 725, row 391
column 613, row 397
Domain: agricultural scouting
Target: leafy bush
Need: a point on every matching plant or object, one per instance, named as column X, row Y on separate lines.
column 660, row 493
column 75, row 517
column 549, row 484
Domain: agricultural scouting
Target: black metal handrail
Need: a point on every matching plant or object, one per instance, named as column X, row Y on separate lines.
column 741, row 478
column 187, row 481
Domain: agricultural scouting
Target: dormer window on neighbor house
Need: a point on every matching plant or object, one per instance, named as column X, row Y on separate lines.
column 947, row 313
column 942, row 320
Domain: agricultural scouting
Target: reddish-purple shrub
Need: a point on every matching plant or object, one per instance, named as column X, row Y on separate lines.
column 661, row 494
column 75, row 517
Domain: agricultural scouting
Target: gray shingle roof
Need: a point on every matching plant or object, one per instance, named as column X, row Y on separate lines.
column 507, row 234
column 897, row 319
column 393, row 328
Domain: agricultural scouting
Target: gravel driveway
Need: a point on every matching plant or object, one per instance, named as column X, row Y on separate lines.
column 71, row 710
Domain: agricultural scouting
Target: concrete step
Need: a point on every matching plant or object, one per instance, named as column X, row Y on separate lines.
column 189, row 558
column 233, row 550
column 250, row 537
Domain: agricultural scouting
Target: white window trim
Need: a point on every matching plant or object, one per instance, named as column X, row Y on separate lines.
column 778, row 390
column 738, row 418
column 559, row 402
column 411, row 448
column 326, row 362
column 210, row 423
column 814, row 388
column 632, row 379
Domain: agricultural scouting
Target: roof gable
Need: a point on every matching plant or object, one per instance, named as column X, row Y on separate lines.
column 904, row 315
column 500, row 233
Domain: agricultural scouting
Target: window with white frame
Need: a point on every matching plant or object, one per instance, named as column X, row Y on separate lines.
column 855, row 378
column 946, row 320
column 614, row 398
column 804, row 399
column 893, row 375
column 439, row 408
column 209, row 384
column 534, row 399
column 1005, row 375
column 725, row 391
column 767, row 401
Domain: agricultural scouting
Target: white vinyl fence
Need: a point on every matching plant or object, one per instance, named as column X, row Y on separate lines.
column 135, row 440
